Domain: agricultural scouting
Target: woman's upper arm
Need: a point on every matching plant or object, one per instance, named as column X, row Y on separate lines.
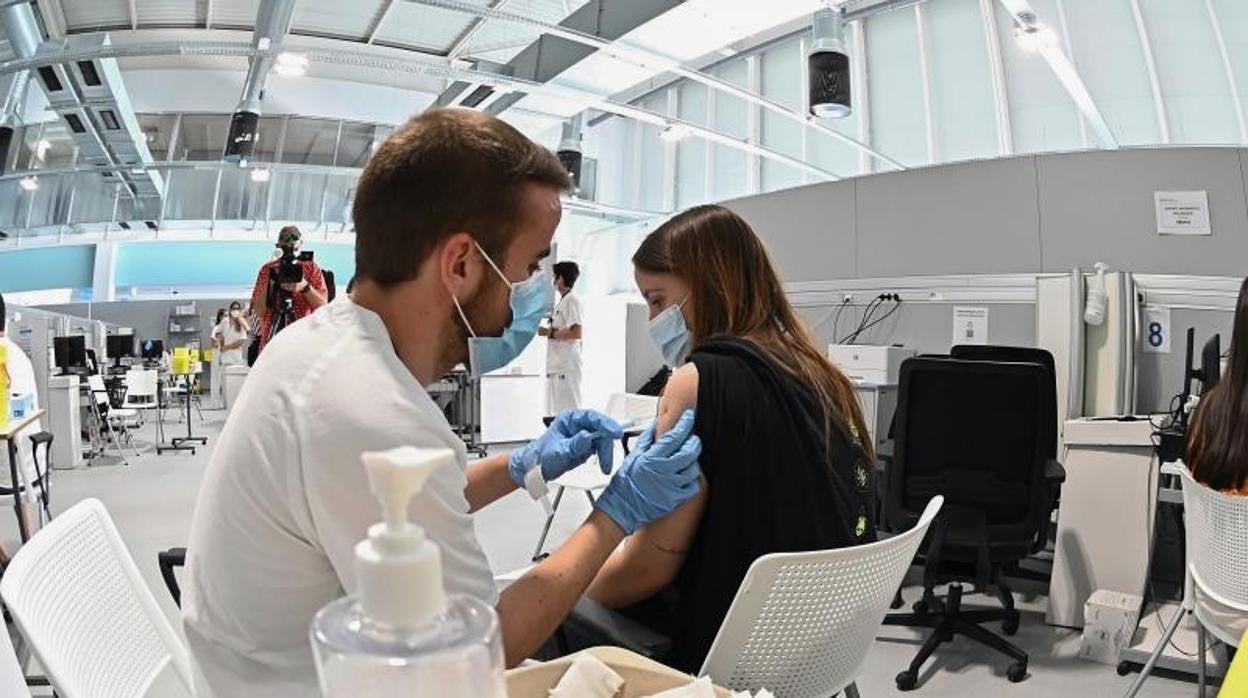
column 680, row 394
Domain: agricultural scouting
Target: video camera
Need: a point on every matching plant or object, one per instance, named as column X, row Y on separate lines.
column 290, row 266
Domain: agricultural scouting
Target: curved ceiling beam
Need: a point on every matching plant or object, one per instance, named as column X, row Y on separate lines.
column 371, row 60
column 653, row 61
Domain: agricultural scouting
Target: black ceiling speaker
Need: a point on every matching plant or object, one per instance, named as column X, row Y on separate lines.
column 240, row 142
column 828, row 66
column 569, row 152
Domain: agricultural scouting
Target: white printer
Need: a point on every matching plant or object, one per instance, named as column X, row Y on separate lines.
column 869, row 364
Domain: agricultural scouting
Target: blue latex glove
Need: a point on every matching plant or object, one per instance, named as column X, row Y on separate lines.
column 572, row 438
column 656, row 478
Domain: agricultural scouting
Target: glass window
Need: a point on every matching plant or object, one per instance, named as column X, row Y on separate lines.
column 158, row 132
column 53, row 147
column 1191, row 73
column 1107, row 49
column 611, row 143
column 730, row 176
column 1042, row 117
column 653, row 157
column 691, row 151
column 1232, row 17
column 963, row 107
column 898, row 127
column 781, row 73
column 202, row 137
column 357, row 144
column 189, row 193
column 310, row 141
column 268, row 137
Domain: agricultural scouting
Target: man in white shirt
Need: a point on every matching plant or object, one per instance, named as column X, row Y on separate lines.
column 563, row 349
column 22, row 382
column 450, row 203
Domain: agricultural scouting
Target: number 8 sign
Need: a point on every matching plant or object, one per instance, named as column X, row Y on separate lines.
column 1155, row 337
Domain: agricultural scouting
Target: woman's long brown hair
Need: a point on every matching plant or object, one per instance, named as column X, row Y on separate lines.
column 736, row 292
column 1217, row 448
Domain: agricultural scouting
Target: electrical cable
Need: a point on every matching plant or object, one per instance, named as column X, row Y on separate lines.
column 866, row 316
column 891, row 311
column 836, row 323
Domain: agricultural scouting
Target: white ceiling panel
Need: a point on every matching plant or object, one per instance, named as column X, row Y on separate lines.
column 234, row 14
column 171, row 13
column 336, row 18
column 426, row 28
column 503, row 40
column 91, row 15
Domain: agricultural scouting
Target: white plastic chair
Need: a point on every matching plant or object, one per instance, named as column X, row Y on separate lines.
column 12, row 680
column 1217, row 568
column 140, row 390
column 92, row 623
column 589, row 478
column 802, row 623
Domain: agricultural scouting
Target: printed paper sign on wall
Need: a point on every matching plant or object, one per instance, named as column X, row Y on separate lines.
column 1182, row 212
column 970, row 326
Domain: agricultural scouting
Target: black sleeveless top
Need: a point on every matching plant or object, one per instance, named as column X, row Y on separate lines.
column 776, row 485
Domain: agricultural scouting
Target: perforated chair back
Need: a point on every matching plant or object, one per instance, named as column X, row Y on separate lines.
column 802, row 623
column 1217, row 548
column 99, row 393
column 79, row 600
column 141, row 388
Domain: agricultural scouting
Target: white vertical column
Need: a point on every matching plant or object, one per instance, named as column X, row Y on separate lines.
column 104, row 272
column 754, row 176
column 1163, row 123
column 933, row 151
column 1068, row 44
column 670, row 153
column 1230, row 71
column 861, row 94
column 1000, row 98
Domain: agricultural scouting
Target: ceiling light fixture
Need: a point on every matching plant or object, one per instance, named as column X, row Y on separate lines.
column 29, row 183
column 674, row 133
column 1031, row 34
column 261, row 174
column 291, row 64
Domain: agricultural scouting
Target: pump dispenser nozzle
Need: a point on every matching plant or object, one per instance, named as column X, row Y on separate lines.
column 399, row 571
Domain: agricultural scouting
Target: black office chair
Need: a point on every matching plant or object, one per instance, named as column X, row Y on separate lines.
column 1032, row 355
column 972, row 431
column 168, row 560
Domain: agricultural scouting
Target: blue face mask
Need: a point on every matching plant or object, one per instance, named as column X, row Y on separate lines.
column 671, row 334
column 531, row 300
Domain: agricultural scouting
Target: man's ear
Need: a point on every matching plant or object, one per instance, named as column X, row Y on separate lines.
column 456, row 267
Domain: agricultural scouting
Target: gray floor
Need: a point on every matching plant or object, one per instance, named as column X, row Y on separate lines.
column 152, row 499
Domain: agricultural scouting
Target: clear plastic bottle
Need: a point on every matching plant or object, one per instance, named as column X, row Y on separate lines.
column 400, row 635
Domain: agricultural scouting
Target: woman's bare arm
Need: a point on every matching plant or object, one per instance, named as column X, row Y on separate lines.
column 650, row 558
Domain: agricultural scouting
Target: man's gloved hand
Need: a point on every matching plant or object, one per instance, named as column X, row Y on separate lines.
column 656, row 478
column 572, row 438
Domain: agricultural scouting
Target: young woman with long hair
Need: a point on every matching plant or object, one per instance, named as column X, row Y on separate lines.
column 786, row 462
column 1217, row 446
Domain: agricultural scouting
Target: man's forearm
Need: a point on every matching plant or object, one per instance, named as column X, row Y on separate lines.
column 532, row 607
column 488, row 481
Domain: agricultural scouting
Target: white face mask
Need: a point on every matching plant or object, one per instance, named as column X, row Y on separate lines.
column 671, row 335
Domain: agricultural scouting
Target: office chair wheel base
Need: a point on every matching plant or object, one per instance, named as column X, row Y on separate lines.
column 907, row 680
column 1009, row 626
column 1017, row 672
column 1124, row 668
column 921, row 606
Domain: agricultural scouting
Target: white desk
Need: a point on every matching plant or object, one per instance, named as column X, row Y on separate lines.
column 1105, row 523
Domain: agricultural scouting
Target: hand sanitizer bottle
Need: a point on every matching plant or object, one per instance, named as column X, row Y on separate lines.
column 400, row 635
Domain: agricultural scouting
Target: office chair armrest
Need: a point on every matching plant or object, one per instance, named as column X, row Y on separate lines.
column 169, row 559
column 594, row 620
column 1054, row 472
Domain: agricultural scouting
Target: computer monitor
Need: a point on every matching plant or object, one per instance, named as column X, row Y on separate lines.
column 118, row 346
column 153, row 349
column 70, row 352
column 1188, row 375
column 1210, row 364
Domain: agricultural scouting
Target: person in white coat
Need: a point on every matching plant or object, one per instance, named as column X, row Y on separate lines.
column 563, row 350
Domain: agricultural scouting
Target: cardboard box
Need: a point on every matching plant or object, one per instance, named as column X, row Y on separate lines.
column 1109, row 622
column 642, row 677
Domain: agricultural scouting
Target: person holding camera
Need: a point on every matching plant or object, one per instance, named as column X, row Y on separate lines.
column 287, row 288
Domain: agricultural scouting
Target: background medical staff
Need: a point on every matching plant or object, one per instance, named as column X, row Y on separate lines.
column 563, row 351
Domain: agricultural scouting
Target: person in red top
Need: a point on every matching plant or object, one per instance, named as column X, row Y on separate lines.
column 307, row 295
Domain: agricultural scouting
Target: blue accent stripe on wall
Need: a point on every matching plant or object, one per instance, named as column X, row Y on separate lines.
column 61, row 266
column 219, row 262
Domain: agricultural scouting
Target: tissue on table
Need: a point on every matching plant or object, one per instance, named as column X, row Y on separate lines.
column 588, row 677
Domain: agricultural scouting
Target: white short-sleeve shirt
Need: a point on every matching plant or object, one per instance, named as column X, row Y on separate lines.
column 564, row 355
column 285, row 499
